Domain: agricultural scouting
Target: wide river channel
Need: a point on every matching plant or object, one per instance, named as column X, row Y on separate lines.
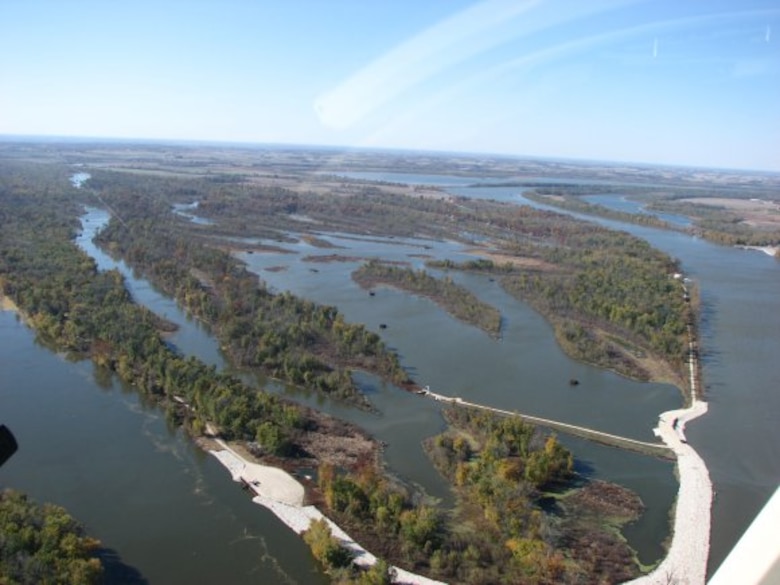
column 171, row 512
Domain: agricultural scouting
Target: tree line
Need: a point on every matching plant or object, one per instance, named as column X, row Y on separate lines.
column 502, row 470
column 79, row 309
column 281, row 335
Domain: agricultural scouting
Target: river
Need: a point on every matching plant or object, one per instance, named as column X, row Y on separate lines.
column 525, row 370
column 739, row 438
column 174, row 514
column 89, row 443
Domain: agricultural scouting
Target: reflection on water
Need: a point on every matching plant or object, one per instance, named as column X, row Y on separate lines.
column 162, row 503
column 739, row 438
column 96, row 447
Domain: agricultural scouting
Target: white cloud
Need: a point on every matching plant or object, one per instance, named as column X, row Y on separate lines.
column 473, row 31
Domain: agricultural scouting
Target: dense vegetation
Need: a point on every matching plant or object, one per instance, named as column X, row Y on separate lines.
column 43, row 544
column 337, row 560
column 502, row 469
column 589, row 295
column 608, row 267
column 497, row 466
column 79, row 309
column 567, row 200
column 286, row 337
column 721, row 225
column 629, row 296
column 380, row 513
column 455, row 299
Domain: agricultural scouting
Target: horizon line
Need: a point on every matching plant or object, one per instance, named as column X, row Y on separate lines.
column 31, row 138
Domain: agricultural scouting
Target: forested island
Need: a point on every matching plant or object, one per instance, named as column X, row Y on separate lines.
column 523, row 512
column 455, row 299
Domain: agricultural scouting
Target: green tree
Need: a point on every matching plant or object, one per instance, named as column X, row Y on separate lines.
column 325, row 547
column 43, row 544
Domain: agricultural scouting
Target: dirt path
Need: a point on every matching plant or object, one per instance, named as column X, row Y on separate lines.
column 281, row 493
column 686, row 561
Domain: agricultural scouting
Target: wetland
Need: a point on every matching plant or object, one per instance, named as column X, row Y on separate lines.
column 525, row 370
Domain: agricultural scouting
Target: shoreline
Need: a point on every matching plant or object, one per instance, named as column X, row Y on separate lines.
column 7, row 304
column 283, row 495
column 773, row 251
column 686, row 561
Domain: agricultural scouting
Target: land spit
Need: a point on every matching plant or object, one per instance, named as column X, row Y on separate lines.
column 686, row 561
column 283, row 495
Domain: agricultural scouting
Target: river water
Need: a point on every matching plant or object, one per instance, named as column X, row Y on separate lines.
column 173, row 513
column 89, row 443
column 525, row 370
column 739, row 438
column 623, row 203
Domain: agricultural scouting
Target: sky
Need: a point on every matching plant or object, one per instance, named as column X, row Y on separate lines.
column 680, row 82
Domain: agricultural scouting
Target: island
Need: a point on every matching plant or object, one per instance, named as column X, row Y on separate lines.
column 521, row 507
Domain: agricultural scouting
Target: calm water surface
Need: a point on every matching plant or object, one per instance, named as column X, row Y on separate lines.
column 191, row 337
column 173, row 512
column 525, row 370
column 623, row 203
column 92, row 445
column 739, row 438
column 168, row 509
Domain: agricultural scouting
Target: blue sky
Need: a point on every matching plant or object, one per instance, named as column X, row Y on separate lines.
column 685, row 82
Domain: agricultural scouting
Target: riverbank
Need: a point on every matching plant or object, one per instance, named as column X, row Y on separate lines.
column 283, row 495
column 6, row 304
column 686, row 561
column 773, row 251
